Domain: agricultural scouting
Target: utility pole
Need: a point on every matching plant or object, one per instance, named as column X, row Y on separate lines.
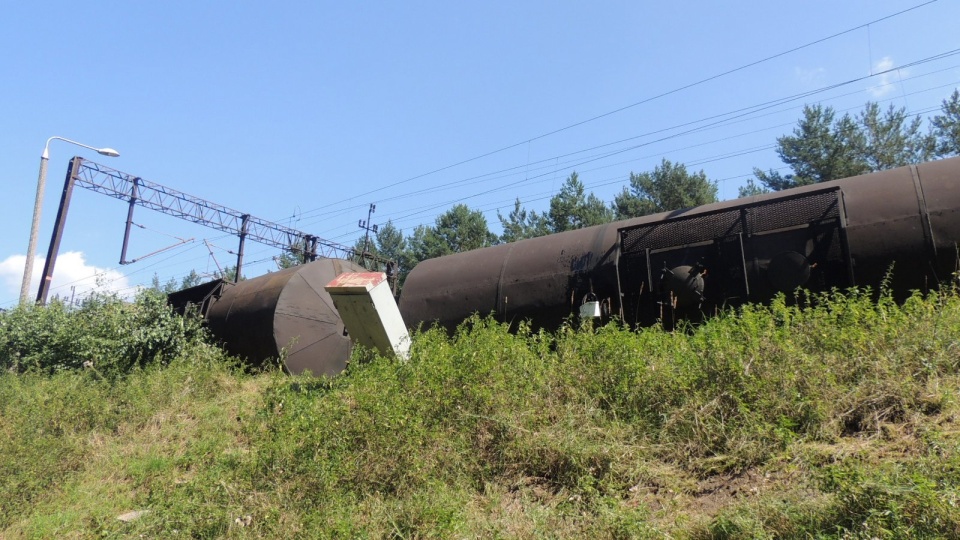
column 367, row 227
column 38, row 203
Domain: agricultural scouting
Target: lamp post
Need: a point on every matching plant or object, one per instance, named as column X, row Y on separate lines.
column 35, row 226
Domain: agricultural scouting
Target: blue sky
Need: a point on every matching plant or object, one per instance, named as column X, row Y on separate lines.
column 306, row 112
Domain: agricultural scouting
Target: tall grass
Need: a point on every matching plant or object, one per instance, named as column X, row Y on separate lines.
column 824, row 417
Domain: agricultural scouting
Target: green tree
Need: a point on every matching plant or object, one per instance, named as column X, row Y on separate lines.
column 820, row 149
column 391, row 245
column 230, row 273
column 389, row 242
column 365, row 258
column 520, row 224
column 824, row 148
column 191, row 280
column 387, row 251
column 668, row 187
column 388, row 245
column 751, row 189
column 458, row 229
column 172, row 285
column 292, row 255
column 890, row 139
column 165, row 288
column 573, row 209
column 946, row 126
column 424, row 245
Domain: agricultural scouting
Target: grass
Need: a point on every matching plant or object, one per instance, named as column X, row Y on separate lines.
column 827, row 417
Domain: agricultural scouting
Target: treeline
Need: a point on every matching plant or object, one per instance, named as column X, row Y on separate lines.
column 823, row 146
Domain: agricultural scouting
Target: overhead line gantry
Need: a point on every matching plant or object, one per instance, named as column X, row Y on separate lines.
column 139, row 192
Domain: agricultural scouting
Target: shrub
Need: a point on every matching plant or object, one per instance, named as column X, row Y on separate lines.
column 824, row 417
column 105, row 333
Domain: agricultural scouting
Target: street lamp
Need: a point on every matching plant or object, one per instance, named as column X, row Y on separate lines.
column 35, row 226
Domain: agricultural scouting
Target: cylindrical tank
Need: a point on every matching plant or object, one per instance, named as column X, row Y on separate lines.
column 289, row 309
column 834, row 234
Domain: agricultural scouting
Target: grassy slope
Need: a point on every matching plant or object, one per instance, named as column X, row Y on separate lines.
column 837, row 421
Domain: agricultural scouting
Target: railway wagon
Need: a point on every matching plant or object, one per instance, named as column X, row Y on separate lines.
column 690, row 262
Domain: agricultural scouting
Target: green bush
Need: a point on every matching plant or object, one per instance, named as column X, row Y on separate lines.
column 823, row 417
column 105, row 334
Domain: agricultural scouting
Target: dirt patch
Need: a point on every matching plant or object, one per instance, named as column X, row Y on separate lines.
column 720, row 491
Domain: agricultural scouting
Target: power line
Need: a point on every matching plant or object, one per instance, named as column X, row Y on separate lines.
column 626, row 107
column 736, row 153
column 722, row 119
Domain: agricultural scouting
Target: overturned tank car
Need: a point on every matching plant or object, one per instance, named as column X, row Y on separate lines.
column 660, row 268
column 285, row 315
column 690, row 262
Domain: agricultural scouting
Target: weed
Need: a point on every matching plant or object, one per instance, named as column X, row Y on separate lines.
column 827, row 416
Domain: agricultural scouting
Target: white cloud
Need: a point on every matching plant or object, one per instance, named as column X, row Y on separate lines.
column 885, row 82
column 72, row 277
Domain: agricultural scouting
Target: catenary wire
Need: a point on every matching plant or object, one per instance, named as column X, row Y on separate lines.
column 626, row 107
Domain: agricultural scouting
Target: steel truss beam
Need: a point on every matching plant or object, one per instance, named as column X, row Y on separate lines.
column 137, row 191
column 120, row 185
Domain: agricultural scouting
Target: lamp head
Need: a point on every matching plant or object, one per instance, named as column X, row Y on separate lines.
column 108, row 152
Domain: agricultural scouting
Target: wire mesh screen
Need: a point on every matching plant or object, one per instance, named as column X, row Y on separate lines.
column 800, row 210
column 782, row 214
column 681, row 231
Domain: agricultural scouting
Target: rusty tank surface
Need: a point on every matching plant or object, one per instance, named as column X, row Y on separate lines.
column 259, row 317
column 692, row 262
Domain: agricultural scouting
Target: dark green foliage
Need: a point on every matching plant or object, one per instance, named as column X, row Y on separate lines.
column 391, row 245
column 824, row 148
column 388, row 245
column 946, row 126
column 573, row 209
column 520, row 224
column 230, row 274
column 459, row 229
column 891, row 139
column 751, row 189
column 668, row 187
column 820, row 149
column 293, row 255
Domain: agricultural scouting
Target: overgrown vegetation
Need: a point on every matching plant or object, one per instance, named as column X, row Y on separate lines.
column 826, row 417
column 106, row 335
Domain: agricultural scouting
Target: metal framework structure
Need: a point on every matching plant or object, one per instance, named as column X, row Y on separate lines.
column 139, row 192
column 120, row 185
